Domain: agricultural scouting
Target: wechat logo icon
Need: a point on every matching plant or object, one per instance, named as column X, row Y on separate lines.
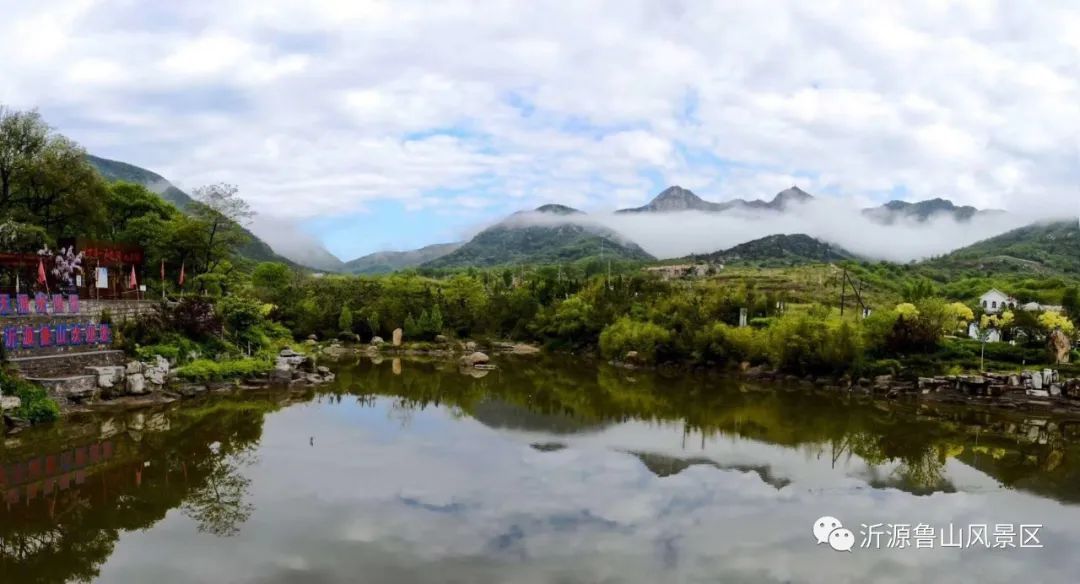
column 829, row 530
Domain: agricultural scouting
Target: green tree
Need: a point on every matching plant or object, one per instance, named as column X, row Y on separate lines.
column 345, row 321
column 219, row 213
column 23, row 135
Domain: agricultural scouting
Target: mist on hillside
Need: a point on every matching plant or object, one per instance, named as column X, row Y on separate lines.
column 842, row 223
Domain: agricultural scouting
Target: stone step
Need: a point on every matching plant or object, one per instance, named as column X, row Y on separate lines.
column 64, row 365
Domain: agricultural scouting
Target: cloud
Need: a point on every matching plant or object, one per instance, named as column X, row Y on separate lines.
column 596, row 104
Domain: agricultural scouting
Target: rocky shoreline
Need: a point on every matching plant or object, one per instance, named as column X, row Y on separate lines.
column 1031, row 389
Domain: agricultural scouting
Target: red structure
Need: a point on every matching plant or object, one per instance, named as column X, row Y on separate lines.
column 106, row 271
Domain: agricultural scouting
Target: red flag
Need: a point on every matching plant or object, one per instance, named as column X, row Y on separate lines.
column 40, row 271
column 132, row 283
column 181, row 274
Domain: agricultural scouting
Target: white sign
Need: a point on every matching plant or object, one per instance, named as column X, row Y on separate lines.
column 102, row 277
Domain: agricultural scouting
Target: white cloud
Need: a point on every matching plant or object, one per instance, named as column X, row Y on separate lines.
column 595, row 104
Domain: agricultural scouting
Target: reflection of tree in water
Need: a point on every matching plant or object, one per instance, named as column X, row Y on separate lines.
column 66, row 535
column 219, row 506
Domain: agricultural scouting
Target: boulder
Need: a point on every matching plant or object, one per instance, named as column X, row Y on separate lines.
column 377, row 340
column 287, row 352
column 470, row 347
column 441, row 339
column 631, row 357
column 1059, row 346
column 134, row 367
column 282, row 372
column 10, row 402
column 322, row 370
column 397, row 337
column 312, row 338
column 136, row 384
column 474, row 359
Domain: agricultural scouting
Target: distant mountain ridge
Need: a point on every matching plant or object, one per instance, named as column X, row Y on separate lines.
column 384, row 262
column 1041, row 248
column 922, row 211
column 541, row 236
column 676, row 198
column 255, row 249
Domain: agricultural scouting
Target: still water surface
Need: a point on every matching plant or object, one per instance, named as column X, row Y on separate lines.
column 539, row 472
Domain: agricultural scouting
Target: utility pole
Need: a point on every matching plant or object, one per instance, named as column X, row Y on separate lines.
column 843, row 288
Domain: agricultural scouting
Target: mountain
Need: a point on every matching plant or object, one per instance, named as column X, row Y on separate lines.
column 676, row 198
column 541, row 236
column 921, row 211
column 384, row 262
column 1041, row 248
column 255, row 249
column 781, row 249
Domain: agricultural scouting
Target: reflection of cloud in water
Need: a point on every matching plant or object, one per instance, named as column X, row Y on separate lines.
column 370, row 501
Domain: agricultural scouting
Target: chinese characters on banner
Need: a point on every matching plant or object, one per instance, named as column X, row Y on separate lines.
column 57, row 335
column 20, row 304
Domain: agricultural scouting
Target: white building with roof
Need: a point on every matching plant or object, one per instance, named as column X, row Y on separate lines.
column 994, row 301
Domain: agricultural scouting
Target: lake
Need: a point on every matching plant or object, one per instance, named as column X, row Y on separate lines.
column 541, row 471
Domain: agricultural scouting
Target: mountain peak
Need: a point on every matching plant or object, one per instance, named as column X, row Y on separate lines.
column 675, row 198
column 789, row 196
column 676, row 193
column 557, row 209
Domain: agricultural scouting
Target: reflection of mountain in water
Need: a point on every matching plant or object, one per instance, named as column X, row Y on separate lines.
column 495, row 413
column 663, row 465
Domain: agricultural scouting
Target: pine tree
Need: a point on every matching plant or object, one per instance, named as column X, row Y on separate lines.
column 411, row 329
column 436, row 320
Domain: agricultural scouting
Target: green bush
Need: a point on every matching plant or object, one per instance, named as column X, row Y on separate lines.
column 723, row 343
column 626, row 335
column 203, row 370
column 37, row 406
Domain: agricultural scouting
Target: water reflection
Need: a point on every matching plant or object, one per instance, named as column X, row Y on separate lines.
column 536, row 472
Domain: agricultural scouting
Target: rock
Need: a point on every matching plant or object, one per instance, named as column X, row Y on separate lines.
column 1055, row 389
column 134, row 367
column 322, row 370
column 1036, row 380
column 395, row 365
column 377, row 340
column 155, row 376
column 397, row 337
column 1038, row 393
column 287, row 352
column 631, row 357
column 441, row 339
column 470, row 347
column 313, row 378
column 282, row 373
column 136, row 384
column 1059, row 346
column 10, row 402
column 474, row 359
column 191, row 389
column 313, row 338
column 311, row 342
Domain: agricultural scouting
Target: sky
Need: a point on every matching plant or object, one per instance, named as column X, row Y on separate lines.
column 372, row 125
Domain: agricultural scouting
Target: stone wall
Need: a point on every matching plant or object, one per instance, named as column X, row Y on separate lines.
column 119, row 310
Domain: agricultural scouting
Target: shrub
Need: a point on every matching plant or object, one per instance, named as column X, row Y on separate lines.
column 626, row 335
column 203, row 370
column 37, row 406
column 723, row 343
